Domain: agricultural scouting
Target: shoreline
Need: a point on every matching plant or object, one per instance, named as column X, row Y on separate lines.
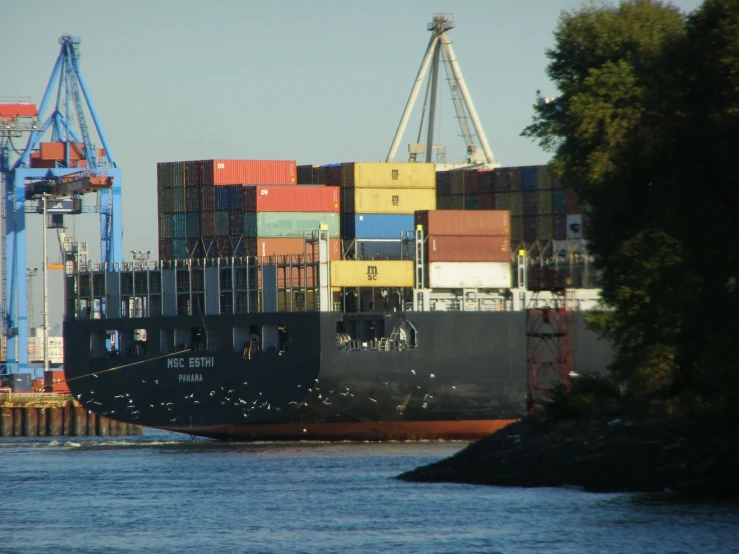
column 654, row 456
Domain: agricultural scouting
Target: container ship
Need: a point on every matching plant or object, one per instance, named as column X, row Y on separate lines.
column 337, row 302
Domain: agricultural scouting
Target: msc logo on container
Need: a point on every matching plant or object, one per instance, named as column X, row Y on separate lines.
column 395, row 174
column 221, row 166
column 396, row 200
column 372, row 273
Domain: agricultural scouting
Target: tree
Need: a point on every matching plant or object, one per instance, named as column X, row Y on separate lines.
column 645, row 131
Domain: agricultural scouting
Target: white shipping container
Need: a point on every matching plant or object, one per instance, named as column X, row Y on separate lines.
column 470, row 275
column 574, row 226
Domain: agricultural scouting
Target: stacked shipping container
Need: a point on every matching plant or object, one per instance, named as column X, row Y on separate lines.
column 378, row 203
column 467, row 250
column 541, row 208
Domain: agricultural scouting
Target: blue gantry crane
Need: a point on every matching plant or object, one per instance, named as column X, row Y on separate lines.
column 70, row 164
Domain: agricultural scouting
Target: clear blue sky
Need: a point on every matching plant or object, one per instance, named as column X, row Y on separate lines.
column 318, row 82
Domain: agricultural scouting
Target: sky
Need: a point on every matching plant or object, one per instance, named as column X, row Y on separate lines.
column 316, row 82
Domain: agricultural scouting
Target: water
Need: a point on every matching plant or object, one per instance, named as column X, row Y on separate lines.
column 169, row 493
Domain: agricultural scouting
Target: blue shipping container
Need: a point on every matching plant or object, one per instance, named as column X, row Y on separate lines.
column 250, row 224
column 179, row 226
column 222, row 224
column 179, row 249
column 529, row 177
column 383, row 226
column 222, row 198
column 193, row 226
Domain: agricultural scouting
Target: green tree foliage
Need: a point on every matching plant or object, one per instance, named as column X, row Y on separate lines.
column 645, row 130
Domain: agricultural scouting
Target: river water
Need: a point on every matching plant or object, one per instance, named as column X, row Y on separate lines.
column 169, row 493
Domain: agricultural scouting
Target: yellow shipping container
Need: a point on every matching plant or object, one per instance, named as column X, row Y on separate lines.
column 372, row 273
column 393, row 201
column 376, row 175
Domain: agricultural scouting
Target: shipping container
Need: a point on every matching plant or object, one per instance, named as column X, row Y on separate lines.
column 235, row 223
column 171, row 175
column 195, row 249
column 222, row 220
column 192, row 199
column 165, row 249
column 516, row 202
column 529, row 228
column 470, row 275
column 515, row 180
column 223, row 199
column 443, row 183
column 468, row 249
column 544, row 201
column 456, row 185
column 392, row 201
column 209, row 248
column 376, row 175
column 193, row 225
column 529, row 202
column 516, row 230
column 267, row 247
column 165, row 226
column 165, row 200
column 249, row 172
column 378, row 226
column 281, row 198
column 179, row 249
column 544, row 227
column 457, row 202
column 178, row 200
column 502, row 200
column 330, row 175
column 542, row 177
column 208, row 199
column 223, row 248
column 559, row 201
column 374, row 273
column 528, row 177
column 179, row 226
column 559, row 231
column 444, row 203
column 295, row 224
column 572, row 202
column 493, row 223
column 470, row 202
column 208, row 224
column 485, row 201
column 305, row 174
column 485, row 181
column 250, row 224
column 575, row 226
column 471, row 181
column 501, row 180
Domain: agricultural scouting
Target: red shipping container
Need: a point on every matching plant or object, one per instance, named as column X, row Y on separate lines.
column 468, row 249
column 470, row 177
column 9, row 111
column 572, row 202
column 249, row 172
column 485, row 201
column 303, row 198
column 293, row 246
column 492, row 223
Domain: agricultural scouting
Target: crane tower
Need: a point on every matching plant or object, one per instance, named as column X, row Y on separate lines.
column 439, row 53
column 61, row 170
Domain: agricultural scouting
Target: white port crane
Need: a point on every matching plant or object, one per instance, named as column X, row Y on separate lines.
column 439, row 50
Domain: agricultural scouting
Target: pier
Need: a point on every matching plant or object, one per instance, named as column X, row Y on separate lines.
column 55, row 415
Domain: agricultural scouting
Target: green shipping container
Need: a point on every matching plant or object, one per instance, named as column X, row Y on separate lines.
column 295, row 224
column 502, row 201
column 542, row 177
column 544, row 227
column 516, row 230
column 516, row 203
column 544, row 201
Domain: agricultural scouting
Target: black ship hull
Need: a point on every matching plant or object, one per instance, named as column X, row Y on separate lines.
column 313, row 375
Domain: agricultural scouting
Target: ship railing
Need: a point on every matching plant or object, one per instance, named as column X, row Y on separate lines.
column 10, row 396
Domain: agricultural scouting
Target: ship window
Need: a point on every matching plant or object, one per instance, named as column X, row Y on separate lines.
column 139, row 341
column 243, row 336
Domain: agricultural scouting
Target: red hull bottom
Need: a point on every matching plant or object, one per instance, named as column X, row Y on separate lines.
column 363, row 431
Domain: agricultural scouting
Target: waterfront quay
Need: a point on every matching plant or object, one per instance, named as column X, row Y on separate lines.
column 55, row 415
